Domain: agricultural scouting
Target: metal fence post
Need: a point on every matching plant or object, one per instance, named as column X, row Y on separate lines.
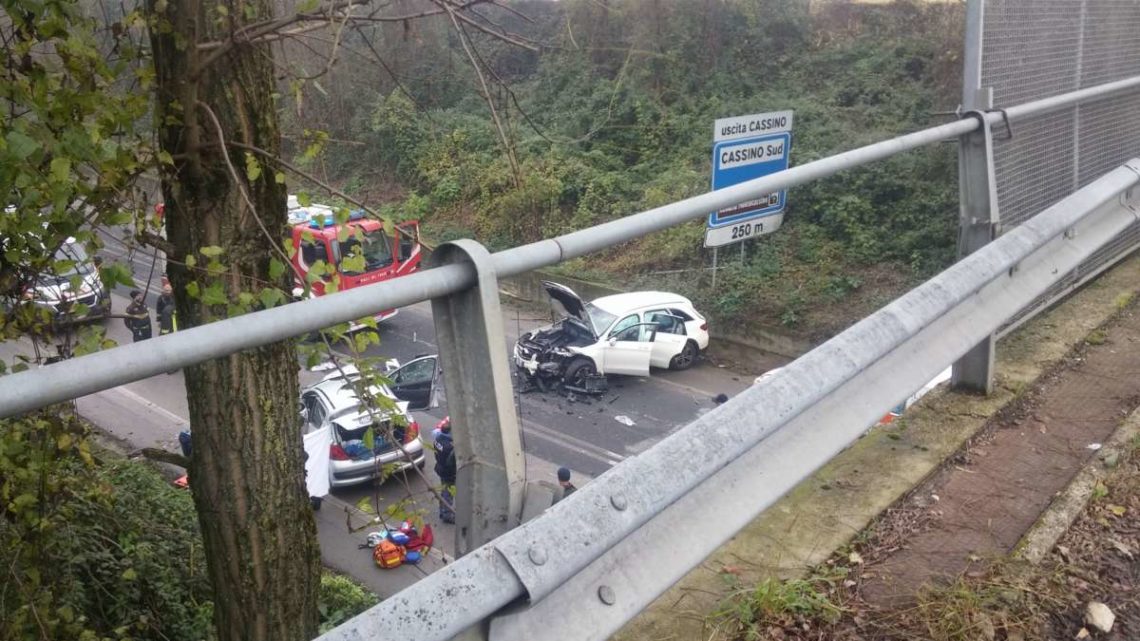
column 491, row 467
column 977, row 187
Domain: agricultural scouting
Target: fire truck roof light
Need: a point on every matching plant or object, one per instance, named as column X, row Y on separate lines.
column 319, row 220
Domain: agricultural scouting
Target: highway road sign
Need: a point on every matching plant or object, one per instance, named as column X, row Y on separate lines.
column 744, row 148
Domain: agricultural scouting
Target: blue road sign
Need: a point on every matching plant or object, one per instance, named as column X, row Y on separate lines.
column 745, row 148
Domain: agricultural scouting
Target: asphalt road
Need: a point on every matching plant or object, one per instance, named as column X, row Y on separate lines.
column 588, row 436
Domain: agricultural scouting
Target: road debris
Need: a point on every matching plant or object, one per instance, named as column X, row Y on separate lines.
column 1099, row 616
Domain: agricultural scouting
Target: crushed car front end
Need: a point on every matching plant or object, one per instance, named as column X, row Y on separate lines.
column 546, row 351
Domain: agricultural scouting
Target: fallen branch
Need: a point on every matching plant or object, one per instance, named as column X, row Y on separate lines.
column 164, row 456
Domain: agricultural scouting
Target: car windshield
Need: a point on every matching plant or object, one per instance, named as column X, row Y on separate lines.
column 600, row 318
column 375, row 246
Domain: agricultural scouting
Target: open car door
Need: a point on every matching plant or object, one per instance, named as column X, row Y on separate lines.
column 418, row 382
column 628, row 350
column 670, row 339
column 408, row 250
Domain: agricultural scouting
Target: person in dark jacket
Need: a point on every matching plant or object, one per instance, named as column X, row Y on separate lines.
column 564, row 481
column 138, row 317
column 445, row 469
column 165, row 310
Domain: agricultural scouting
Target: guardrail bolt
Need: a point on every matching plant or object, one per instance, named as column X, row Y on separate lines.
column 618, row 501
column 537, row 555
column 606, row 594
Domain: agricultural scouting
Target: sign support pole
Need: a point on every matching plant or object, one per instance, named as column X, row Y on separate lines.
column 714, row 268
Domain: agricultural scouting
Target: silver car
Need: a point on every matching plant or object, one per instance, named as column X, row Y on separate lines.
column 78, row 284
column 395, row 442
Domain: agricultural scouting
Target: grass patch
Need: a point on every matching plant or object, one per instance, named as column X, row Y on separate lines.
column 1124, row 300
column 749, row 613
column 1010, row 602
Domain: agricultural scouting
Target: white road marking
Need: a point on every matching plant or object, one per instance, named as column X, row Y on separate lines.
column 151, row 405
column 584, row 448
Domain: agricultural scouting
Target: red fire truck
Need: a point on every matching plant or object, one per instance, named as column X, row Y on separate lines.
column 315, row 238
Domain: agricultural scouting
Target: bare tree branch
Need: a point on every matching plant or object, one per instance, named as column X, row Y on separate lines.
column 316, row 181
column 514, row 39
column 154, row 240
column 273, row 30
column 173, row 458
column 465, row 41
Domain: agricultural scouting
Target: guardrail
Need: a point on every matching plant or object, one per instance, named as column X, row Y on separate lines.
column 758, row 439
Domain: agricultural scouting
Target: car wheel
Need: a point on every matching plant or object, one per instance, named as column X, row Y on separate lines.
column 579, row 371
column 686, row 358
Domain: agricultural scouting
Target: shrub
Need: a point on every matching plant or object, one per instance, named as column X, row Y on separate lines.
column 341, row 599
column 94, row 551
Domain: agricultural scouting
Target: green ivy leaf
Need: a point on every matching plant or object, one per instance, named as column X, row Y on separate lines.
column 353, row 263
column 214, row 294
column 276, row 269
column 20, row 145
column 192, row 290
column 365, row 505
column 61, row 169
column 271, row 297
column 129, row 574
column 211, row 251
column 252, row 167
column 116, row 274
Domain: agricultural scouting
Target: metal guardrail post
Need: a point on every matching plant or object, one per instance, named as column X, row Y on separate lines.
column 491, row 467
column 977, row 186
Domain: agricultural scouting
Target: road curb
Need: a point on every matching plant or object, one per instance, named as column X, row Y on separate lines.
column 1068, row 505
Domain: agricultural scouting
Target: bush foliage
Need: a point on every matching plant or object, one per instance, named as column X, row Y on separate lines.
column 94, row 551
column 614, row 116
column 106, row 550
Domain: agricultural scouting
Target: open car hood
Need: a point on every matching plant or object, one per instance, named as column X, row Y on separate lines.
column 569, row 302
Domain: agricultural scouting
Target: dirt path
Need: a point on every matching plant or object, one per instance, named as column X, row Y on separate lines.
column 981, row 504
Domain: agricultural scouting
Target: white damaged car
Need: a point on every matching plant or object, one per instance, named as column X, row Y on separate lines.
column 618, row 334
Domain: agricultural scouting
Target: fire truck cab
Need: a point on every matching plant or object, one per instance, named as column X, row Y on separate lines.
column 315, row 238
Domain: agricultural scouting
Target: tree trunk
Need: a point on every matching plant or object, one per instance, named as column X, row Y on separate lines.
column 247, row 473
